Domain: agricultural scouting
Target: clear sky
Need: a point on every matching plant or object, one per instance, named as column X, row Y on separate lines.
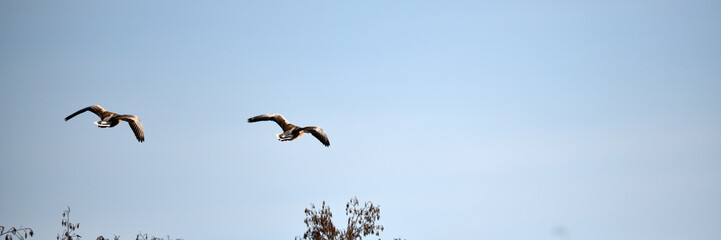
column 461, row 119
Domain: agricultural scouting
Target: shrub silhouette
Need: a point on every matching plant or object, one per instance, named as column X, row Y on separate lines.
column 142, row 236
column 69, row 231
column 361, row 222
column 115, row 237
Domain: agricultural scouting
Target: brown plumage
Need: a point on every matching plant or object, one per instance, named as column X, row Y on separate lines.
column 290, row 131
column 111, row 119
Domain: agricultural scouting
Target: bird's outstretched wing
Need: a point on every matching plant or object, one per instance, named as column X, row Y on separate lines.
column 98, row 110
column 135, row 124
column 317, row 133
column 277, row 118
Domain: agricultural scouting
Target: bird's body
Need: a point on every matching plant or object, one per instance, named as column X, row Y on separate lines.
column 290, row 131
column 111, row 119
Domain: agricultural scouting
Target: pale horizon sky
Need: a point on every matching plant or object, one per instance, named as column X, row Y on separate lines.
column 461, row 119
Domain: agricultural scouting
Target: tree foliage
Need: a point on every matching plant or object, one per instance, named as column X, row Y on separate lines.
column 361, row 222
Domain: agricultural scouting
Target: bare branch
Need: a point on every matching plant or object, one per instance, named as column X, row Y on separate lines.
column 20, row 233
column 69, row 232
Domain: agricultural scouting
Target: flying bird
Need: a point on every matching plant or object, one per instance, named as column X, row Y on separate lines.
column 290, row 131
column 111, row 119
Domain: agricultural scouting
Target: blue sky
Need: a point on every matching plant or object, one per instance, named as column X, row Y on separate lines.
column 461, row 119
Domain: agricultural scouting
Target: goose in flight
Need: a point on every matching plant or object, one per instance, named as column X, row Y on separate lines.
column 290, row 131
column 111, row 119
